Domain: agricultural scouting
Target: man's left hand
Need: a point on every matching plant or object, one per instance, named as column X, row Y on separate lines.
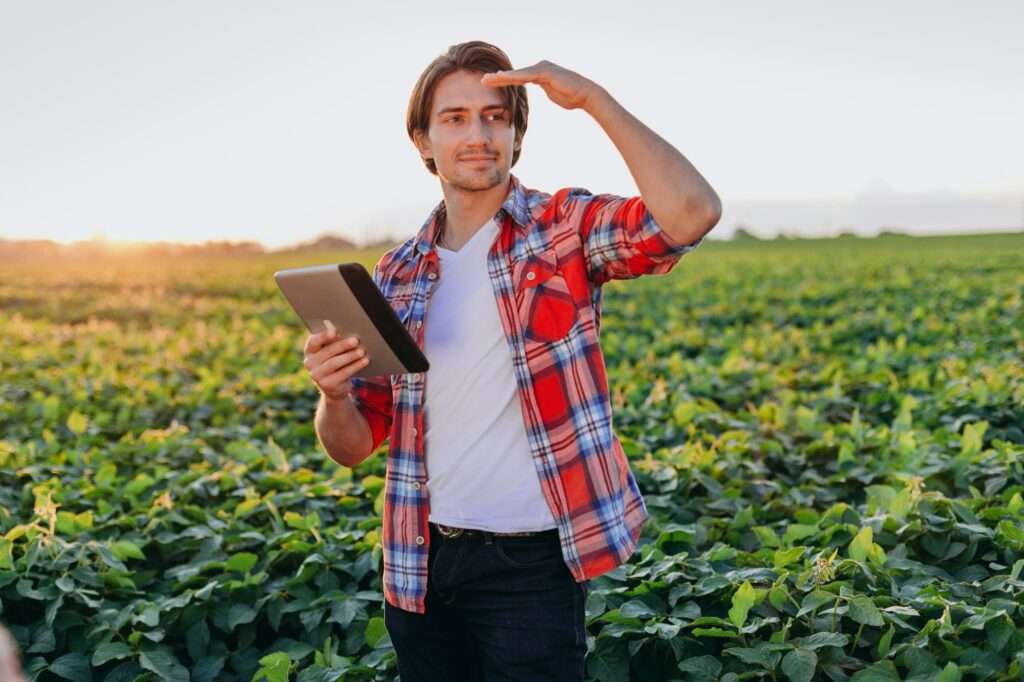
column 565, row 88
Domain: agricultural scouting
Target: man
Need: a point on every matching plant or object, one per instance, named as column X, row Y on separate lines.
column 506, row 488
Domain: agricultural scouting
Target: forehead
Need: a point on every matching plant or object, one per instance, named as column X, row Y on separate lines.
column 464, row 89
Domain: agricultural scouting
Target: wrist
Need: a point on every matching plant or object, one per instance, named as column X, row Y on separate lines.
column 336, row 403
column 598, row 102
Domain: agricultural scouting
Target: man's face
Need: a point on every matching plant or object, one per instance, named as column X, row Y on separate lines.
column 471, row 134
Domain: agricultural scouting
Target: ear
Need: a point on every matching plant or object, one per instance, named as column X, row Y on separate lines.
column 422, row 143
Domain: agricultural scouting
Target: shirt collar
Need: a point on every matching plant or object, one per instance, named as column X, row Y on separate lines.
column 515, row 205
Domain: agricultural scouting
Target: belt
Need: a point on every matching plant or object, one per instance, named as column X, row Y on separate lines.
column 451, row 532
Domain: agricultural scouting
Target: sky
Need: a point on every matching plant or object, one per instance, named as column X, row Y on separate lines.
column 281, row 121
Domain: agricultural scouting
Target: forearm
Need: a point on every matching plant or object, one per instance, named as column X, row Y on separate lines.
column 343, row 431
column 677, row 195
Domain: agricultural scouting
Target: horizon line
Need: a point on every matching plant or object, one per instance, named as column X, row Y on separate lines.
column 748, row 233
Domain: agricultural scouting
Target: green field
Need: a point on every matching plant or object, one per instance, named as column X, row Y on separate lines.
column 829, row 435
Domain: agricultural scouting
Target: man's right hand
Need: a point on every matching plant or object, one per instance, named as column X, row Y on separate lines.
column 332, row 361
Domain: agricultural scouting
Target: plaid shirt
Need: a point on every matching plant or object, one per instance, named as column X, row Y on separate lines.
column 547, row 266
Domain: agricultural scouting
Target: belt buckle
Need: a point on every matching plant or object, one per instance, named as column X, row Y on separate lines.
column 448, row 531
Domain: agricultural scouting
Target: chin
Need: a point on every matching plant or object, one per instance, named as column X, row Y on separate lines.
column 478, row 182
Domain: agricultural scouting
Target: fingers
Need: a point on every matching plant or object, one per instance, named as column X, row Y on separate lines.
column 338, row 384
column 356, row 359
column 314, row 360
column 531, row 74
column 315, row 342
column 319, row 341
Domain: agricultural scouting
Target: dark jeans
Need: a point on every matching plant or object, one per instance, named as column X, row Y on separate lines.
column 505, row 608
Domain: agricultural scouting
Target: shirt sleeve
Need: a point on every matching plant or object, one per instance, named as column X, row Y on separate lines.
column 372, row 395
column 620, row 237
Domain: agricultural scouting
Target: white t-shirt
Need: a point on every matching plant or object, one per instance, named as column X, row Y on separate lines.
column 480, row 473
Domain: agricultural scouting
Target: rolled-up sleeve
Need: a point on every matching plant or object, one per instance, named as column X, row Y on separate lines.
column 372, row 395
column 620, row 237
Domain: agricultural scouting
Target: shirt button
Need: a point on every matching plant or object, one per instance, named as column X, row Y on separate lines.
column 416, row 485
column 419, row 540
column 531, row 275
column 419, row 323
column 432, row 275
column 414, row 430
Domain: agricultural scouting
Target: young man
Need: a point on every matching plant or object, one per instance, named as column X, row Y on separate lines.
column 506, row 488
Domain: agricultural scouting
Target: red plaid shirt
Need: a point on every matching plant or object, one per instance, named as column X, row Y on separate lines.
column 547, row 266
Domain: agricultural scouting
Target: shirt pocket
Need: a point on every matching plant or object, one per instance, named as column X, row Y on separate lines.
column 546, row 305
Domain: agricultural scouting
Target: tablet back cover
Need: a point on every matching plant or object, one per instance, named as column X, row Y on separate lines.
column 346, row 295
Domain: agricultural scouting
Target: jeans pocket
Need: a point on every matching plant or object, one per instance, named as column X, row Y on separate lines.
column 528, row 552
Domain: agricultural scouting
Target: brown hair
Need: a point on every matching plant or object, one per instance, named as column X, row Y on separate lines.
column 475, row 55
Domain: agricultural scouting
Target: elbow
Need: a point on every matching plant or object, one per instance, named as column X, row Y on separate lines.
column 708, row 212
column 348, row 459
column 700, row 215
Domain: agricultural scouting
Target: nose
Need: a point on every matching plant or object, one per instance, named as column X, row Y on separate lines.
column 478, row 132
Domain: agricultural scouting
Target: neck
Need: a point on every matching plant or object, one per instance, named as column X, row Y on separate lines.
column 466, row 211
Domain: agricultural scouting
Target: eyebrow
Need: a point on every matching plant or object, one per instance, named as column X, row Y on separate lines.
column 449, row 110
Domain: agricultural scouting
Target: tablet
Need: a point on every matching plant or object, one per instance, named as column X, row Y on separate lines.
column 344, row 295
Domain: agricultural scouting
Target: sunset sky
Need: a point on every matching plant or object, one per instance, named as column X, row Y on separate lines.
column 278, row 121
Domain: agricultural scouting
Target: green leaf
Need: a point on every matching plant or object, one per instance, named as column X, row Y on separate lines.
column 111, row 651
column 813, row 600
column 684, row 413
column 6, row 554
column 609, row 662
column 372, row 484
column 74, row 667
column 207, row 669
column 78, row 423
column 742, row 601
column 798, row 531
column 274, row 668
column 883, row 671
column 778, row 596
column 343, row 611
column 164, row 665
column 764, row 654
column 241, row 562
column 885, row 642
column 821, row 639
column 375, row 631
column 107, row 474
column 713, row 632
column 636, row 608
column 197, row 639
column 799, row 665
column 240, row 614
column 125, row 549
column 138, row 484
column 863, row 610
column 860, row 546
column 971, row 440
column 951, row 673
column 784, row 557
column 701, row 668
column 767, row 536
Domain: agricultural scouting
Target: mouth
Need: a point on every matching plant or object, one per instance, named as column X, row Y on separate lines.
column 477, row 159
